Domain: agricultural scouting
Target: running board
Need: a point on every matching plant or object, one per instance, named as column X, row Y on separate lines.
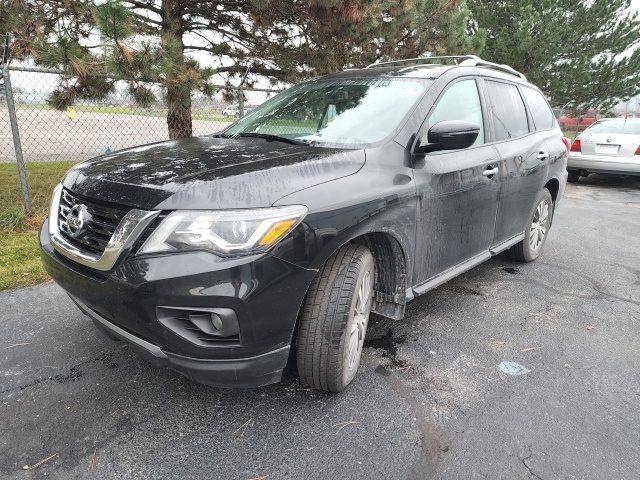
column 459, row 269
column 501, row 247
column 447, row 275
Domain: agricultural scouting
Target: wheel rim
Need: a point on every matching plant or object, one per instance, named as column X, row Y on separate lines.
column 358, row 329
column 539, row 225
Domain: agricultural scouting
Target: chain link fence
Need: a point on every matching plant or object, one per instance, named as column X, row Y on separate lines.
column 93, row 127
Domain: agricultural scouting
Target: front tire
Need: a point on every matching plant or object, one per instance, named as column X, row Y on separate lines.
column 334, row 320
column 535, row 234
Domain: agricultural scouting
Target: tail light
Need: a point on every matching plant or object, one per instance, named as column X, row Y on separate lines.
column 637, row 150
column 575, row 146
column 567, row 143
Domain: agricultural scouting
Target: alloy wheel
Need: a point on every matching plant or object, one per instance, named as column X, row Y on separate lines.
column 358, row 329
column 539, row 225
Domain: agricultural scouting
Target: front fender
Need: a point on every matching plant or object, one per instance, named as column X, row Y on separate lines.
column 377, row 206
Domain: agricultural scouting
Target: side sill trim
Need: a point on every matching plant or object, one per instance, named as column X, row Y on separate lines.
column 502, row 246
column 447, row 275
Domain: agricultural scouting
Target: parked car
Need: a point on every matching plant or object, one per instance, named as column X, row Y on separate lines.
column 231, row 111
column 214, row 255
column 610, row 145
column 568, row 122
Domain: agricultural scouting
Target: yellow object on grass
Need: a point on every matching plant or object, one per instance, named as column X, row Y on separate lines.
column 71, row 113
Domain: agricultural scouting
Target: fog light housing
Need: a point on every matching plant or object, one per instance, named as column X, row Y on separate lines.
column 202, row 326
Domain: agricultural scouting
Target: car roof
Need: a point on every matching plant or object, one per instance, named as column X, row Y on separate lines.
column 627, row 119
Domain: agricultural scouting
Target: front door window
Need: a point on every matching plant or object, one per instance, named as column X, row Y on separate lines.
column 461, row 101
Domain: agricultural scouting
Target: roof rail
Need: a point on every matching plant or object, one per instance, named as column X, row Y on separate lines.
column 461, row 60
column 419, row 60
column 478, row 62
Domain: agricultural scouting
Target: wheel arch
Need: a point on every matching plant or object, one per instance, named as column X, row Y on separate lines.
column 553, row 185
column 392, row 268
column 391, row 273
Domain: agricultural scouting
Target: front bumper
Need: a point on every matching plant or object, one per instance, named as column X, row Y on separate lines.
column 604, row 164
column 241, row 372
column 264, row 292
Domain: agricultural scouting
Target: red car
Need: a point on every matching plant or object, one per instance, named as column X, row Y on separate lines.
column 576, row 123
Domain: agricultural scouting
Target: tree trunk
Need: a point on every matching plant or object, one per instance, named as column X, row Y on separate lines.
column 179, row 120
column 179, row 112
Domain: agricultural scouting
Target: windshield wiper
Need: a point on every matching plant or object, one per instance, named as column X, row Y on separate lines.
column 271, row 138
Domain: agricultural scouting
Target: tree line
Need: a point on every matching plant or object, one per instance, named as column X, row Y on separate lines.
column 581, row 53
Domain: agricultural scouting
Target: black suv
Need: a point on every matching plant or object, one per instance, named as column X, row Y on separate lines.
column 343, row 195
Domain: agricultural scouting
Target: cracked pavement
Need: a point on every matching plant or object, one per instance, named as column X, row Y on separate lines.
column 429, row 400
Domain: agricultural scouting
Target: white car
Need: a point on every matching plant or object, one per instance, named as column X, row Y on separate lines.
column 610, row 145
column 230, row 111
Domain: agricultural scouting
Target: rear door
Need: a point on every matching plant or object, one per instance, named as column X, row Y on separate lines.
column 457, row 199
column 545, row 124
column 524, row 155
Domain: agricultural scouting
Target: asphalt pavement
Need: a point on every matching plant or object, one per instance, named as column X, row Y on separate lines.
column 49, row 135
column 511, row 371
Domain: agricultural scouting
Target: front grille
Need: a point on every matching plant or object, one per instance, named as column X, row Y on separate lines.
column 99, row 221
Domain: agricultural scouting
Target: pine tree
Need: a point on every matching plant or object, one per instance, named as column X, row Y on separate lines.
column 151, row 41
column 579, row 52
column 323, row 36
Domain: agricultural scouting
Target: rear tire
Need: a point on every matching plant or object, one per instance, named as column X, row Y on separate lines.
column 574, row 176
column 537, row 230
column 334, row 320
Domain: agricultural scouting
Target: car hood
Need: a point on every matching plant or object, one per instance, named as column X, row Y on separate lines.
column 209, row 173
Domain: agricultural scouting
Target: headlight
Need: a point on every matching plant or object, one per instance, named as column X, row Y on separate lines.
column 224, row 232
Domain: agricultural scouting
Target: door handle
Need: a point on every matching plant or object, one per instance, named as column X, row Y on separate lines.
column 543, row 155
column 490, row 171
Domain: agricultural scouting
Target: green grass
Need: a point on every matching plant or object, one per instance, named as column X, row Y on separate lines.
column 20, row 264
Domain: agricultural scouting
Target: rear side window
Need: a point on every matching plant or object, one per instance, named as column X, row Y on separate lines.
column 617, row 125
column 507, row 110
column 460, row 101
column 540, row 111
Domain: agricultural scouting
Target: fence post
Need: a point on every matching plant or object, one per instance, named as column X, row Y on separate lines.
column 15, row 131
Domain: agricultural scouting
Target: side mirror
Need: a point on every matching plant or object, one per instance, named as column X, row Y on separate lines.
column 449, row 135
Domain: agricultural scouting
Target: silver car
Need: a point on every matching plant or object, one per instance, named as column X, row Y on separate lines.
column 610, row 145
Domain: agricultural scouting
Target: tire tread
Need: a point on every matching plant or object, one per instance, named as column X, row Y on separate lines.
column 325, row 313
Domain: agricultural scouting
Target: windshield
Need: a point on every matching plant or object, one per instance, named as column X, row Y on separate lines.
column 342, row 112
column 618, row 125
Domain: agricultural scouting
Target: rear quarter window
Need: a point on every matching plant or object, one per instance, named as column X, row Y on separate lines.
column 615, row 125
column 539, row 108
column 507, row 109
